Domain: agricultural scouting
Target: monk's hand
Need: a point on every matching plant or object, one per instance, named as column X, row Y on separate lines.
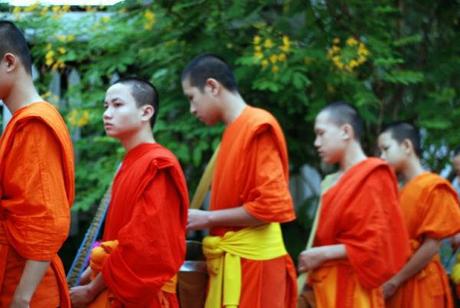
column 198, row 220
column 311, row 258
column 390, row 287
column 85, row 278
column 81, row 296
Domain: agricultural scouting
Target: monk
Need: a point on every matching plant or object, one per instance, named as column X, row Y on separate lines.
column 431, row 213
column 144, row 234
column 361, row 240
column 37, row 185
column 249, row 194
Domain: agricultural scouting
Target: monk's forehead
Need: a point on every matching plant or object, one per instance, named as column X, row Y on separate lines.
column 329, row 117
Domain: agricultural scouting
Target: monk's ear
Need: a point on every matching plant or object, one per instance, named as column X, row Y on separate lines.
column 147, row 112
column 9, row 62
column 346, row 132
column 213, row 86
column 407, row 145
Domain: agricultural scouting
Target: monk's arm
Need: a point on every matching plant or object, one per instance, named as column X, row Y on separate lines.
column 31, row 276
column 312, row 258
column 235, row 217
column 416, row 263
column 82, row 295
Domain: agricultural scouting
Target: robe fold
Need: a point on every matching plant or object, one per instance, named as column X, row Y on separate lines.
column 360, row 211
column 147, row 215
column 430, row 210
column 37, row 191
column 252, row 171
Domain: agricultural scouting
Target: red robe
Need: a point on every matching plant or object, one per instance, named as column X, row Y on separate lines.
column 252, row 171
column 362, row 212
column 37, row 190
column 430, row 209
column 147, row 215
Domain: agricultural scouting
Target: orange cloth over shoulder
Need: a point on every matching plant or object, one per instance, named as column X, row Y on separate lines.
column 147, row 216
column 362, row 212
column 430, row 210
column 252, row 171
column 37, row 191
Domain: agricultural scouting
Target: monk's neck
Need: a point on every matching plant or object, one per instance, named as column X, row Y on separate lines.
column 137, row 138
column 22, row 94
column 233, row 107
column 353, row 155
column 411, row 169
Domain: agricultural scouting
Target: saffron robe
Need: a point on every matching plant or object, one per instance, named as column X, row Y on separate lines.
column 252, row 171
column 430, row 210
column 37, row 191
column 360, row 211
column 147, row 215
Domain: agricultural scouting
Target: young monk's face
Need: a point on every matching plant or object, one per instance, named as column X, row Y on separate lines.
column 456, row 163
column 391, row 150
column 202, row 103
column 330, row 140
column 122, row 117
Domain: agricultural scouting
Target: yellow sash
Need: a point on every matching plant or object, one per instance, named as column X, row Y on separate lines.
column 223, row 259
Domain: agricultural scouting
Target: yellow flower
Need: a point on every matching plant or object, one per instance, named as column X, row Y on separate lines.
column 77, row 118
column 149, row 20
column 84, row 119
column 336, row 41
column 61, row 38
column 264, row 63
column 275, row 69
column 256, row 40
column 353, row 63
column 70, row 38
column 286, row 40
column 273, row 58
column 61, row 50
column 351, row 41
column 259, row 55
column 286, row 44
column 49, row 58
column 149, row 15
column 268, row 43
column 257, row 48
column 282, row 57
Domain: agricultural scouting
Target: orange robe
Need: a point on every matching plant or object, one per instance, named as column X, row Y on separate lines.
column 37, row 190
column 430, row 209
column 360, row 211
column 252, row 171
column 147, row 215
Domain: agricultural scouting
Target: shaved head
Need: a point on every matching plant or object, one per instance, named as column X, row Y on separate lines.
column 401, row 131
column 13, row 41
column 343, row 113
column 206, row 66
